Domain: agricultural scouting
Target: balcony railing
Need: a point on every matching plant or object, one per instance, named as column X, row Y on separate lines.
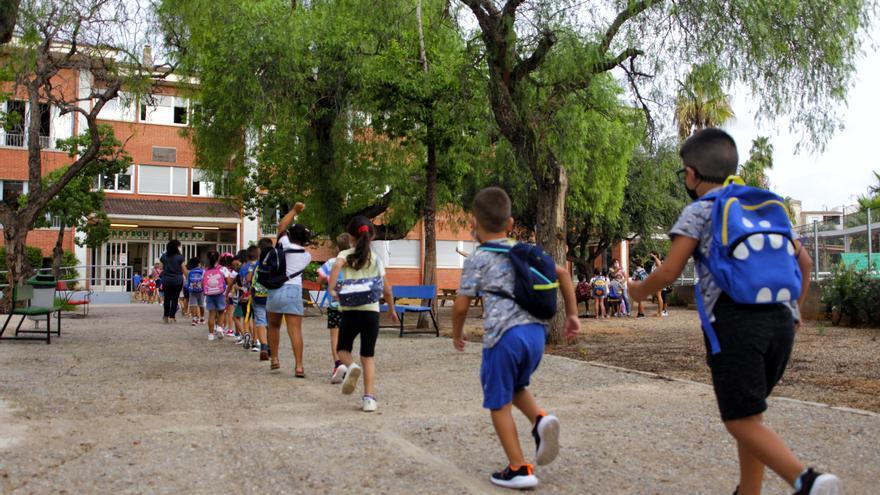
column 19, row 140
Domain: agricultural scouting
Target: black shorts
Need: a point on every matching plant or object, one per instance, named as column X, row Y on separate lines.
column 334, row 318
column 363, row 323
column 756, row 343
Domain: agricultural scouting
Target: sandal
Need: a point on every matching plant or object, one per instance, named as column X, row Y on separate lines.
column 299, row 373
column 275, row 366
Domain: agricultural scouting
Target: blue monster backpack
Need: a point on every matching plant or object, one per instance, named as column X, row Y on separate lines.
column 535, row 283
column 752, row 257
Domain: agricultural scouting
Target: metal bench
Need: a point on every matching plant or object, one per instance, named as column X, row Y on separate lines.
column 428, row 292
column 28, row 294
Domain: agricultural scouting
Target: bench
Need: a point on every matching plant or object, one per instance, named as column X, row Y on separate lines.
column 420, row 292
column 80, row 298
column 26, row 294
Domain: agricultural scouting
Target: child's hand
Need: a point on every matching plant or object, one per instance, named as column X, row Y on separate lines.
column 458, row 343
column 299, row 207
column 572, row 328
column 393, row 315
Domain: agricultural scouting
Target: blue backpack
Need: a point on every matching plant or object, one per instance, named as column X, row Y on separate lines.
column 535, row 287
column 752, row 257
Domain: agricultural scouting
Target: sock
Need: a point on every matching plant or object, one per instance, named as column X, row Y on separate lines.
column 798, row 483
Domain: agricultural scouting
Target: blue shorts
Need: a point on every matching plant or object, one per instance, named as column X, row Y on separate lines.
column 287, row 300
column 508, row 366
column 259, row 314
column 216, row 302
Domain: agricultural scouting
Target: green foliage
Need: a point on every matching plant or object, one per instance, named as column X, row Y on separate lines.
column 68, row 259
column 33, row 258
column 871, row 201
column 754, row 170
column 853, row 294
column 701, row 101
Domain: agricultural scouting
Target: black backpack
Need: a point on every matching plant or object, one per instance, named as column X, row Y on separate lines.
column 273, row 267
column 535, row 286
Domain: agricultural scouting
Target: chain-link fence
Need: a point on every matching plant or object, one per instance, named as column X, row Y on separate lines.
column 852, row 239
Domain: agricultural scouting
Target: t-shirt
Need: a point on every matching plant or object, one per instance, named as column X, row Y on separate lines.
column 136, row 281
column 486, row 272
column 325, row 271
column 375, row 268
column 243, row 273
column 172, row 273
column 695, row 222
column 295, row 261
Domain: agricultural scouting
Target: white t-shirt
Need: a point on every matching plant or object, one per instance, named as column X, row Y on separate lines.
column 295, row 261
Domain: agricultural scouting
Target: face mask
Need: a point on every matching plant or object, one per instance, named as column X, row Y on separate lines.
column 692, row 193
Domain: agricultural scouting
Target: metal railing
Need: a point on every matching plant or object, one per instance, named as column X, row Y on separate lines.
column 99, row 278
column 19, row 140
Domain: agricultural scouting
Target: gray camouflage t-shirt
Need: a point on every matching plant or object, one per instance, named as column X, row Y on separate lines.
column 695, row 222
column 486, row 272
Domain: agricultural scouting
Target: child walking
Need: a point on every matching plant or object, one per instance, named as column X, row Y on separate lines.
column 599, row 283
column 334, row 316
column 214, row 283
column 196, row 290
column 363, row 282
column 259, row 295
column 748, row 344
column 513, row 341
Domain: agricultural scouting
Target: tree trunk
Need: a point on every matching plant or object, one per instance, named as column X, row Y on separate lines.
column 58, row 253
column 551, row 226
column 16, row 240
column 429, row 273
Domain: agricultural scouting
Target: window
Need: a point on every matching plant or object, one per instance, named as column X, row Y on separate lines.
column 118, row 182
column 11, row 190
column 162, row 180
column 202, row 185
column 179, row 114
column 45, row 126
column 165, row 109
column 119, row 108
column 16, row 111
column 400, row 253
column 447, row 256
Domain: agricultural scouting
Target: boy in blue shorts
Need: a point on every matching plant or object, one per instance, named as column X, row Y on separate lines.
column 513, row 342
column 748, row 345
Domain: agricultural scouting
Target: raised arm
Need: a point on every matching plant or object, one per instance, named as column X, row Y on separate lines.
column 288, row 218
column 668, row 272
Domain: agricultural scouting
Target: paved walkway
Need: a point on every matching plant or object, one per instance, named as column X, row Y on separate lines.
column 124, row 404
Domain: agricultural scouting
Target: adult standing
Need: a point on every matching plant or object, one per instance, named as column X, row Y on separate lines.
column 173, row 273
column 286, row 301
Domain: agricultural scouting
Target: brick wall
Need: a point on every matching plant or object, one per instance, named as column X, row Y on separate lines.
column 45, row 240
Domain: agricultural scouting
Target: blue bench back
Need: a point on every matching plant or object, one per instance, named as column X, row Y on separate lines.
column 414, row 291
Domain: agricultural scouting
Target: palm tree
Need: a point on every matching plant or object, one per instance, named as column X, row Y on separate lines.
column 701, row 101
column 754, row 170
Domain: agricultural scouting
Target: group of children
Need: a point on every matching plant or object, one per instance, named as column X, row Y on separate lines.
column 148, row 289
column 748, row 343
column 608, row 291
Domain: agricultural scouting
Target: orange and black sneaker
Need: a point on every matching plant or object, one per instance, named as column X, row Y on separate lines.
column 519, row 478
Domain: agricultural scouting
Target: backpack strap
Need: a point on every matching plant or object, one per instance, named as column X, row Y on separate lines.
column 294, row 250
column 708, row 329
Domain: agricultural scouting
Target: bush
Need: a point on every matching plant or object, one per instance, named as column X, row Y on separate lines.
column 33, row 259
column 853, row 294
column 311, row 272
column 68, row 259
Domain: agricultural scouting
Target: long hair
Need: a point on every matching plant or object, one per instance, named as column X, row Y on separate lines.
column 173, row 247
column 361, row 229
column 213, row 256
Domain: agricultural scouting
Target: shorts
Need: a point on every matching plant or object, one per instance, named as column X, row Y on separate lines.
column 286, row 300
column 755, row 343
column 197, row 299
column 508, row 366
column 216, row 302
column 239, row 310
column 259, row 315
column 334, row 318
column 363, row 323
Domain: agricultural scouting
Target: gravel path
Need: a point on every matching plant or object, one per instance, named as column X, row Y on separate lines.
column 124, row 404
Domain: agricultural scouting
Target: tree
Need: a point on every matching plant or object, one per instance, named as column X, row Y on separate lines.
column 871, row 201
column 754, row 170
column 810, row 46
column 8, row 14
column 78, row 205
column 701, row 101
column 88, row 36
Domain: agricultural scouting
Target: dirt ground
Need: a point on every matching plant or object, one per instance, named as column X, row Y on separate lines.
column 833, row 365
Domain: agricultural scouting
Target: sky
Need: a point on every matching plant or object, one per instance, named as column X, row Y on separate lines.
column 843, row 171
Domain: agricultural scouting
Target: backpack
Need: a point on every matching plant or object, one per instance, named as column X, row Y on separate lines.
column 360, row 291
column 640, row 274
column 194, row 281
column 600, row 287
column 613, row 292
column 752, row 257
column 535, row 283
column 273, row 267
column 214, row 282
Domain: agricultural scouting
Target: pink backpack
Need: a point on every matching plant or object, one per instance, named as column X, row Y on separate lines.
column 214, row 282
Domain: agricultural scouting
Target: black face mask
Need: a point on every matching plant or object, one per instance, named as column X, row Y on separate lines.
column 692, row 193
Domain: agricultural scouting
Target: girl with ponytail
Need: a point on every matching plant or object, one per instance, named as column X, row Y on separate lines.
column 363, row 281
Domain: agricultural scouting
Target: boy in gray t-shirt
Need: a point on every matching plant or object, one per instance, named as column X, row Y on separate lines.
column 754, row 340
column 513, row 342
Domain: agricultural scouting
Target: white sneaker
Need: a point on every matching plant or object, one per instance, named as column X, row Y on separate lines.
column 338, row 373
column 210, row 336
column 349, row 383
column 255, row 347
column 369, row 404
column 546, row 435
column 219, row 333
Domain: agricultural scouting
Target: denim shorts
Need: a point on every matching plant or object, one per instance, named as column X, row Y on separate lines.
column 286, row 300
column 259, row 314
column 216, row 302
column 197, row 299
column 508, row 365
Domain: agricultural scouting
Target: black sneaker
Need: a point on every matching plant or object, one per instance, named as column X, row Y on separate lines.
column 640, row 316
column 520, row 479
column 816, row 483
column 546, row 435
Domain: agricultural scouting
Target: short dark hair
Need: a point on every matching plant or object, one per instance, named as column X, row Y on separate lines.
column 343, row 241
column 192, row 263
column 712, row 153
column 253, row 252
column 299, row 234
column 492, row 209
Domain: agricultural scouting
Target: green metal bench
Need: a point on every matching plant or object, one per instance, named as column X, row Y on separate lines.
column 25, row 294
